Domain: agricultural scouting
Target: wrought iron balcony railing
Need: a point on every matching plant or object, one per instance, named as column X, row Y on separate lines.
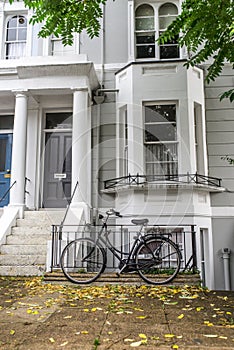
column 173, row 179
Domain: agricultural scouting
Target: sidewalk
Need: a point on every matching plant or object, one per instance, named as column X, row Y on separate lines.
column 35, row 315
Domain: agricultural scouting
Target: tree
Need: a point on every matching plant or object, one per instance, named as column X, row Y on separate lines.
column 206, row 28
column 65, row 17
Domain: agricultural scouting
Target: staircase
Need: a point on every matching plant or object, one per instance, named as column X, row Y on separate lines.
column 24, row 253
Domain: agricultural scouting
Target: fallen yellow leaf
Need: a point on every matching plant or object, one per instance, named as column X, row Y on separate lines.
column 169, row 335
column 135, row 344
column 180, row 316
column 210, row 335
column 52, row 340
column 143, row 336
column 64, row 344
column 199, row 308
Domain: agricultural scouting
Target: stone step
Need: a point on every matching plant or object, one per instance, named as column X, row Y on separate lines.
column 22, row 270
column 22, row 249
column 131, row 278
column 41, row 218
column 22, row 260
column 33, row 230
column 27, row 238
column 31, row 222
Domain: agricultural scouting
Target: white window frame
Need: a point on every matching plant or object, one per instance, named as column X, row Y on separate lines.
column 163, row 142
column 155, row 5
column 72, row 50
column 7, row 19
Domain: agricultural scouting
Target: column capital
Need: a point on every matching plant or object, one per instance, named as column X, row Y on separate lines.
column 79, row 89
column 20, row 92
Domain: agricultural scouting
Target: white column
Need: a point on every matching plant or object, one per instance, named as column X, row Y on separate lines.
column 17, row 194
column 81, row 149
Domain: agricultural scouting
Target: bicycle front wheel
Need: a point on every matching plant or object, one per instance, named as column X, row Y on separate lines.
column 83, row 260
column 158, row 260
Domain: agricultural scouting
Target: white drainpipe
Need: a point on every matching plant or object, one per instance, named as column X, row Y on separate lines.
column 226, row 267
column 99, row 108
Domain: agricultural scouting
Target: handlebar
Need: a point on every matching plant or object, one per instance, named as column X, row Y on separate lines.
column 113, row 212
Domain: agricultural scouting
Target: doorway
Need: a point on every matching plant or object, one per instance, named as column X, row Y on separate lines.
column 58, row 160
column 5, row 167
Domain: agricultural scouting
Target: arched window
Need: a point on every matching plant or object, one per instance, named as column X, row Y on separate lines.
column 16, row 36
column 167, row 14
column 145, row 31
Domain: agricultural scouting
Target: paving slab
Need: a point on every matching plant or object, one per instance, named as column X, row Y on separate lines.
column 34, row 315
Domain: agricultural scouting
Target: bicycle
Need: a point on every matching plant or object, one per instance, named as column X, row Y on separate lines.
column 154, row 256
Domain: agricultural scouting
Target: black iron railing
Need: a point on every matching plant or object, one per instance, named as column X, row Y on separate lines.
column 7, row 191
column 122, row 236
column 172, row 179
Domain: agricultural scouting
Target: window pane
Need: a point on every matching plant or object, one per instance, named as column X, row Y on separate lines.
column 145, row 38
column 12, row 23
column 164, row 22
column 11, row 35
column 6, row 122
column 161, row 159
column 160, row 132
column 161, row 152
column 160, row 113
column 146, row 51
column 15, row 50
column 59, row 120
column 144, row 11
column 3, row 143
column 170, row 51
column 22, row 34
column 168, row 9
column 145, row 23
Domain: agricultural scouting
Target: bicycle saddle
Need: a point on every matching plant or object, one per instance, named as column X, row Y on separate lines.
column 140, row 221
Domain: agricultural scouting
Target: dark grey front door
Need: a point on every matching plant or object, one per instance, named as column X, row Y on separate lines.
column 57, row 172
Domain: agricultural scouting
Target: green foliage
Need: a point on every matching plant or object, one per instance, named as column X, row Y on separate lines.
column 228, row 159
column 228, row 94
column 65, row 17
column 206, row 28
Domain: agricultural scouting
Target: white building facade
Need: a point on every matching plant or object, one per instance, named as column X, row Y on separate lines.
column 125, row 118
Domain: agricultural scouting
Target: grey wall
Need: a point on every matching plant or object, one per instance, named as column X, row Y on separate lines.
column 115, row 35
column 104, row 145
column 220, row 135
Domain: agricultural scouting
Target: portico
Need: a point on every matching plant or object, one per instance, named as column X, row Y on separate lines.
column 50, row 85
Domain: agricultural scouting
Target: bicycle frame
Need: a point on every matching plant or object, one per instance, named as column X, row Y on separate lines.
column 105, row 243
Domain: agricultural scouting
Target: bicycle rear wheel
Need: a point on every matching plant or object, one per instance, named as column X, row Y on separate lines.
column 83, row 260
column 158, row 260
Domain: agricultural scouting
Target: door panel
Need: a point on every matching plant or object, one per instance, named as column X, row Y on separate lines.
column 5, row 167
column 57, row 172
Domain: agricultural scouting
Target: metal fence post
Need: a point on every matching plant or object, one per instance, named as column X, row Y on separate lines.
column 194, row 248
